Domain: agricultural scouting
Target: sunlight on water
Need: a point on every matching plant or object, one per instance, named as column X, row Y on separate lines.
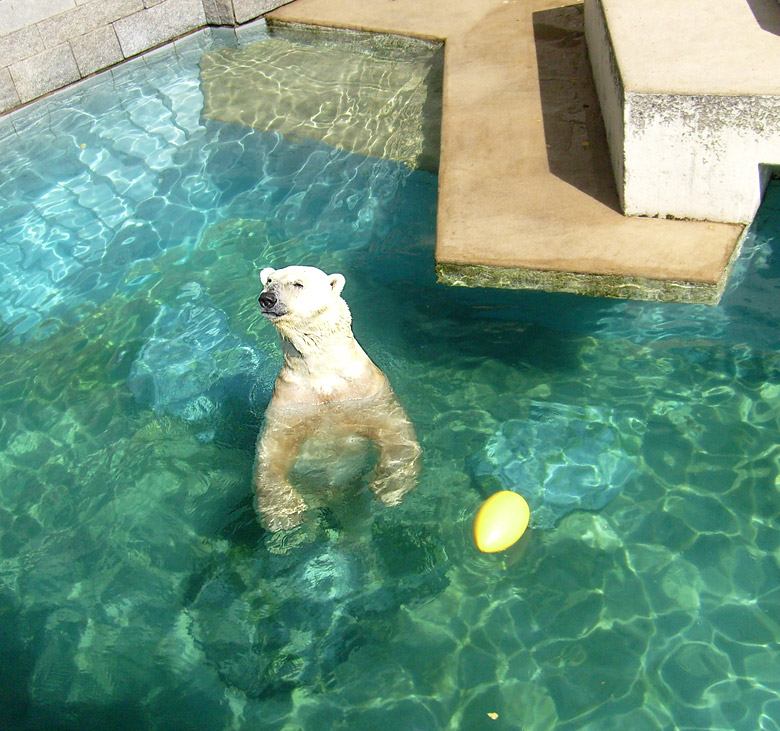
column 376, row 95
column 138, row 590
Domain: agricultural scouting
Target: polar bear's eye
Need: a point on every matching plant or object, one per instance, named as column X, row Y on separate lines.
column 298, row 285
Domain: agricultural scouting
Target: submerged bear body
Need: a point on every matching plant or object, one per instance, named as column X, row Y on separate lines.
column 328, row 390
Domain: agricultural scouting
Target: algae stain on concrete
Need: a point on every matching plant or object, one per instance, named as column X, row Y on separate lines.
column 591, row 285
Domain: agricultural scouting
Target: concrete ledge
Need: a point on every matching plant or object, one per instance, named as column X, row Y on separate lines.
column 690, row 94
column 52, row 69
column 9, row 97
column 246, row 10
column 141, row 31
column 590, row 285
column 18, row 14
column 97, row 50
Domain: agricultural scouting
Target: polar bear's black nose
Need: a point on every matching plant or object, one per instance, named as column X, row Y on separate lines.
column 267, row 300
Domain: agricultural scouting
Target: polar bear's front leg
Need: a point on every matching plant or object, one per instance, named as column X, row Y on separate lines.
column 396, row 472
column 399, row 455
column 276, row 500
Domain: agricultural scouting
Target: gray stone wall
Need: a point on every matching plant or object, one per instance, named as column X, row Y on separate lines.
column 48, row 44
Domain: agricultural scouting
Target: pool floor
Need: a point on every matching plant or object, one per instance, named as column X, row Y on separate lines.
column 139, row 591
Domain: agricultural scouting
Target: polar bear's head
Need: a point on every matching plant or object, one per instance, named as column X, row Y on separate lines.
column 297, row 295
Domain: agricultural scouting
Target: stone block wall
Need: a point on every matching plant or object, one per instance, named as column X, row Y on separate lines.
column 48, row 44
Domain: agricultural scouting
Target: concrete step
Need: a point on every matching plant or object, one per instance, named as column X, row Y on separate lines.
column 691, row 99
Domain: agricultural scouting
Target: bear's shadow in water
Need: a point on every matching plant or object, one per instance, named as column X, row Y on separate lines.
column 269, row 622
column 441, row 324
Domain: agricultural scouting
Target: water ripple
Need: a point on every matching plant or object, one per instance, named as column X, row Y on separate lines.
column 137, row 589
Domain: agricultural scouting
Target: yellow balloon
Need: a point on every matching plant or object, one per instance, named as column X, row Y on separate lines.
column 501, row 521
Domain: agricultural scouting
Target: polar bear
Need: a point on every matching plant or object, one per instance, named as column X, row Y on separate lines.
column 327, row 385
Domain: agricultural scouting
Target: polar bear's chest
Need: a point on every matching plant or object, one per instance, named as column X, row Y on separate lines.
column 332, row 457
column 328, row 387
column 327, row 372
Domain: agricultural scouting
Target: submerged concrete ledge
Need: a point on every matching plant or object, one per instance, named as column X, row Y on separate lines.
column 527, row 197
column 590, row 285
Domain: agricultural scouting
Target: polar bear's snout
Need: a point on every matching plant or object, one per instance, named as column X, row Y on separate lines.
column 267, row 300
column 270, row 305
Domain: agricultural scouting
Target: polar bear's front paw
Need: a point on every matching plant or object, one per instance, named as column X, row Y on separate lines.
column 391, row 489
column 276, row 523
column 396, row 473
column 393, row 498
column 282, row 515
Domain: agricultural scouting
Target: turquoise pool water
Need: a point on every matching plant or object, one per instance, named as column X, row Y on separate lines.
column 138, row 591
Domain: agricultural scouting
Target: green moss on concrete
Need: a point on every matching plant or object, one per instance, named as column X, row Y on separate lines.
column 592, row 285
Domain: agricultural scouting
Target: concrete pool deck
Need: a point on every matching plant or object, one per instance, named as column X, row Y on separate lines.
column 527, row 197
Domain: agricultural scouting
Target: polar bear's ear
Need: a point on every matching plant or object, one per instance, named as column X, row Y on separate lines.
column 267, row 272
column 337, row 283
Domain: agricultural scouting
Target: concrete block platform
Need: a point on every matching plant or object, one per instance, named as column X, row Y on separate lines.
column 690, row 93
column 527, row 198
